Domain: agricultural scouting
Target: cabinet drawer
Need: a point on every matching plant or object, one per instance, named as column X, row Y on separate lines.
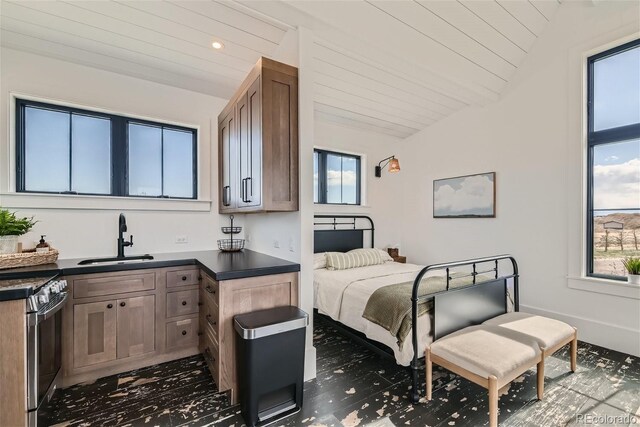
column 110, row 285
column 182, row 302
column 211, row 290
column 209, row 321
column 182, row 332
column 183, row 277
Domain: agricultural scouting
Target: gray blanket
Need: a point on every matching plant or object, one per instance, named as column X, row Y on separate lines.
column 390, row 306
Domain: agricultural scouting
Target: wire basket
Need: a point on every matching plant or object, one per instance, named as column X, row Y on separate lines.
column 231, row 245
column 231, row 230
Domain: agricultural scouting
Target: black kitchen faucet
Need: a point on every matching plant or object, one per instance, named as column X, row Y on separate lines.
column 122, row 228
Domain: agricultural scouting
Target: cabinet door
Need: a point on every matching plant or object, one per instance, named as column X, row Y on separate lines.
column 248, row 110
column 94, row 333
column 228, row 162
column 136, row 326
column 279, row 93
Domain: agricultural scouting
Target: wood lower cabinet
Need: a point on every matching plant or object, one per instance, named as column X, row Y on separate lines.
column 221, row 302
column 136, row 319
column 165, row 318
column 115, row 322
column 94, row 333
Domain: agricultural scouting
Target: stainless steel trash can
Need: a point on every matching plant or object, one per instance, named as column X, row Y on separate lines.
column 270, row 361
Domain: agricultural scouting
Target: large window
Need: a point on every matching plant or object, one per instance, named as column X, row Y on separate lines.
column 613, row 227
column 336, row 178
column 73, row 151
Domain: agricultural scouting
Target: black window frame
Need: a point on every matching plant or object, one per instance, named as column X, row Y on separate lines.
column 601, row 137
column 322, row 177
column 119, row 150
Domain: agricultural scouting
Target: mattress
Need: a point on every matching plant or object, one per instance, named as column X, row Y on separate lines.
column 343, row 295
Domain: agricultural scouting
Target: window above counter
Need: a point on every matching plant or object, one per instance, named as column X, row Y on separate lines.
column 63, row 150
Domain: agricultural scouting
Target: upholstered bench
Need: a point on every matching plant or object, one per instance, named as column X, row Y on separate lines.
column 551, row 334
column 490, row 356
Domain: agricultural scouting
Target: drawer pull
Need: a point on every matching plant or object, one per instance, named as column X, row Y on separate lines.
column 200, row 334
column 209, row 321
column 184, row 303
column 209, row 289
column 208, row 355
column 184, row 332
column 109, row 306
column 184, row 278
column 199, row 304
column 122, row 304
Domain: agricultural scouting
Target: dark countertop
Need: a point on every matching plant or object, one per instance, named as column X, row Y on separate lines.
column 17, row 283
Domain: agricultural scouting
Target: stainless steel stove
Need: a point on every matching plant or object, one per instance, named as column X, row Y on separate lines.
column 44, row 345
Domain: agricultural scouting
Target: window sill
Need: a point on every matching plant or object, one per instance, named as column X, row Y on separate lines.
column 604, row 286
column 72, row 201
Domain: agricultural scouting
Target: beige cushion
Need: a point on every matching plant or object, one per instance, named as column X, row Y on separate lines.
column 354, row 259
column 548, row 332
column 384, row 255
column 488, row 350
column 319, row 261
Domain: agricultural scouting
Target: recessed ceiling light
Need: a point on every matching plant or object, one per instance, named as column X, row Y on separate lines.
column 217, row 45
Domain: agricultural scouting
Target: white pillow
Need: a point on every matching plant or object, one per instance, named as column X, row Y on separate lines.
column 319, row 261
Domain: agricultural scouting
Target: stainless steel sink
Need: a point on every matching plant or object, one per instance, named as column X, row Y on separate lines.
column 125, row 260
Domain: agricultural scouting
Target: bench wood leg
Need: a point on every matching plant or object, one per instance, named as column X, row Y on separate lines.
column 574, row 353
column 540, row 376
column 493, row 401
column 429, row 367
column 540, row 379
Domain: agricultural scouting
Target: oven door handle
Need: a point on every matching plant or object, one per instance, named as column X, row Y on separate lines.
column 53, row 310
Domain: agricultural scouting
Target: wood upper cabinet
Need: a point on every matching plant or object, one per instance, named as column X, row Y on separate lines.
column 258, row 142
column 136, row 326
column 94, row 332
column 228, row 167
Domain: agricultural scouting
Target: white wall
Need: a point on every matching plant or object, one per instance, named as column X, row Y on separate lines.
column 532, row 139
column 93, row 232
column 381, row 199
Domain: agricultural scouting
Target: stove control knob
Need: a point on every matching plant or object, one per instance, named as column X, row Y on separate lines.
column 54, row 288
column 63, row 284
column 43, row 298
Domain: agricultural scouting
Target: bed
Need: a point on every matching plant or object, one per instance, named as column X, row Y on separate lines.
column 467, row 292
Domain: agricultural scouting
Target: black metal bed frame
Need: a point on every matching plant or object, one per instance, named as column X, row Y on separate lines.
column 453, row 308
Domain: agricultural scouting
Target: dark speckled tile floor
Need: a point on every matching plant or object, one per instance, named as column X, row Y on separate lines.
column 356, row 387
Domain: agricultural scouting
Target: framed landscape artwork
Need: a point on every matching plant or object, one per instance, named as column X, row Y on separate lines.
column 470, row 196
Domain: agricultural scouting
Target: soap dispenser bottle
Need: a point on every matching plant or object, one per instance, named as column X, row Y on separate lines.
column 42, row 246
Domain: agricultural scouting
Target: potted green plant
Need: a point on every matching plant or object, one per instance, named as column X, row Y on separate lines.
column 632, row 265
column 11, row 227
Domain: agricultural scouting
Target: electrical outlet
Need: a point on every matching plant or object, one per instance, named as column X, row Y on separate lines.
column 276, row 244
column 182, row 239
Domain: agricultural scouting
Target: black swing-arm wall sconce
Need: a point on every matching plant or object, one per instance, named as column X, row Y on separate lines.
column 394, row 165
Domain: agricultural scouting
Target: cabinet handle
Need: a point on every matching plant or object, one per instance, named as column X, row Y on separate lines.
column 200, row 304
column 184, row 278
column 210, row 290
column 122, row 304
column 242, row 189
column 200, row 334
column 184, row 303
column 246, row 191
column 184, row 332
column 226, row 195
column 208, row 355
column 209, row 321
column 109, row 306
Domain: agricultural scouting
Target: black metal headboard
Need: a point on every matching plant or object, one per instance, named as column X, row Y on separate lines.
column 341, row 233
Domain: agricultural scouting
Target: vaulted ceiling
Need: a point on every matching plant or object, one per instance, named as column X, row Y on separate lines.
column 391, row 67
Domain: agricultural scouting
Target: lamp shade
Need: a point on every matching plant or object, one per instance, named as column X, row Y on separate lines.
column 394, row 166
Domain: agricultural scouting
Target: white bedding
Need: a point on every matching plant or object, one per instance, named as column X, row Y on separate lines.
column 343, row 295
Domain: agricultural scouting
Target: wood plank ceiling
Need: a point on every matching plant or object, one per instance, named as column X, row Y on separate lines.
column 392, row 67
